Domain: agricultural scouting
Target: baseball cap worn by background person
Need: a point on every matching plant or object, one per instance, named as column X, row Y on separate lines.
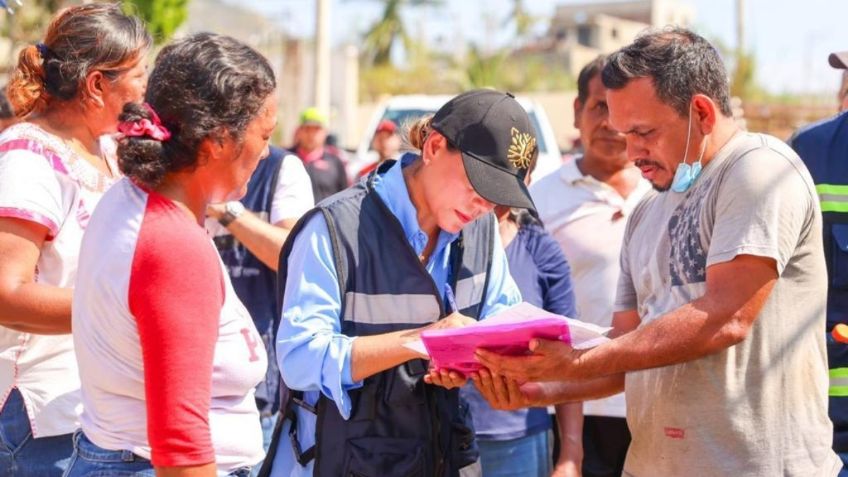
column 497, row 142
column 838, row 60
column 312, row 116
column 387, row 125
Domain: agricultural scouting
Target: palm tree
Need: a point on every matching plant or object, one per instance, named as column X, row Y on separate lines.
column 484, row 70
column 522, row 19
column 385, row 32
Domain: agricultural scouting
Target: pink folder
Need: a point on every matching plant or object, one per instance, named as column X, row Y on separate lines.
column 454, row 348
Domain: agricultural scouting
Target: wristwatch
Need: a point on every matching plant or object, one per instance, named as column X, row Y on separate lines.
column 232, row 210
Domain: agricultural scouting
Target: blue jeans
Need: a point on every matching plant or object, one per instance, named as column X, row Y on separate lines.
column 23, row 456
column 523, row 457
column 90, row 460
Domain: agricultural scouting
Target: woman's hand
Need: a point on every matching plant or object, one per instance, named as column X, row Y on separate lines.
column 215, row 211
column 454, row 320
column 445, row 378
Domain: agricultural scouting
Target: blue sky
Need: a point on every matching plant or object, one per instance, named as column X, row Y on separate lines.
column 791, row 38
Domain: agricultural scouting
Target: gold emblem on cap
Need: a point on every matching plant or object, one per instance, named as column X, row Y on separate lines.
column 522, row 149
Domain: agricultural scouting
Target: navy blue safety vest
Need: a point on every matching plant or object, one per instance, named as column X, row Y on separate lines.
column 255, row 283
column 399, row 425
column 824, row 149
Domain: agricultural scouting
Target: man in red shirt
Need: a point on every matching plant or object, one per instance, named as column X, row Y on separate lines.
column 386, row 144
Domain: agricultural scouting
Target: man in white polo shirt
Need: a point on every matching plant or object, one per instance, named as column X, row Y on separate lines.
column 249, row 234
column 585, row 206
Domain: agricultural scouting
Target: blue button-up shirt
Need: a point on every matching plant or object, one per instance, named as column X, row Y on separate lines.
column 312, row 353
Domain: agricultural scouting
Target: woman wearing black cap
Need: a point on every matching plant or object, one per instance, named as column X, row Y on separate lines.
column 413, row 247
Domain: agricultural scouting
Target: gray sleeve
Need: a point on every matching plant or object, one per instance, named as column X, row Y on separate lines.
column 625, row 296
column 762, row 207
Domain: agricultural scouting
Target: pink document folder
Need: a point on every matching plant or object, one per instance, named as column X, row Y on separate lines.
column 453, row 348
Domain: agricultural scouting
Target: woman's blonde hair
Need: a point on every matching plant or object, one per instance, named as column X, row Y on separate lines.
column 417, row 131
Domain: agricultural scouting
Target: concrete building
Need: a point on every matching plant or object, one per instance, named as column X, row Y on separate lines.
column 292, row 60
column 580, row 32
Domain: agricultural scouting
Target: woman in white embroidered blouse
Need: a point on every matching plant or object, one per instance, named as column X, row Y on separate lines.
column 54, row 167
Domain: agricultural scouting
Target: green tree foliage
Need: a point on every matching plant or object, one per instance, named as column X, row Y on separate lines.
column 382, row 36
column 513, row 71
column 425, row 71
column 743, row 83
column 163, row 17
column 484, row 70
column 521, row 18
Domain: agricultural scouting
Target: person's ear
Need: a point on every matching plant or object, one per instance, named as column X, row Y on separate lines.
column 578, row 111
column 434, row 142
column 210, row 149
column 705, row 111
column 94, row 88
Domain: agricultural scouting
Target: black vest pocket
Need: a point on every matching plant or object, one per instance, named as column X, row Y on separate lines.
column 405, row 384
column 464, row 450
column 384, row 457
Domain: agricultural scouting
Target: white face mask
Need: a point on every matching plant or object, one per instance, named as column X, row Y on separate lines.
column 686, row 174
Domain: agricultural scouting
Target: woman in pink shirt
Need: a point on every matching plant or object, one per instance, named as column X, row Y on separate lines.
column 54, row 167
column 168, row 355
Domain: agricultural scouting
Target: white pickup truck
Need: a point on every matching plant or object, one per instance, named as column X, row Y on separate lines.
column 406, row 109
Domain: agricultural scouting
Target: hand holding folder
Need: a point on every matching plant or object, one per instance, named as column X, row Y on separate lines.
column 506, row 333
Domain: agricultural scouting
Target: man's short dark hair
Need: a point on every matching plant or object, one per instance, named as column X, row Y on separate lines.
column 592, row 69
column 681, row 64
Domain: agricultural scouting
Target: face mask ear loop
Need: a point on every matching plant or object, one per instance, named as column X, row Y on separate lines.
column 703, row 148
column 688, row 135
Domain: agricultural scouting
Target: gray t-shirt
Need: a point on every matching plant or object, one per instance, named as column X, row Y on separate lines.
column 760, row 407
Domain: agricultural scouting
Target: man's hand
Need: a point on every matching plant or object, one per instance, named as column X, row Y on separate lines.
column 548, row 361
column 507, row 394
column 567, row 468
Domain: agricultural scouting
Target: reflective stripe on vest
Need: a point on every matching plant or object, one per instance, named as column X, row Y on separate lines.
column 469, row 290
column 838, row 382
column 833, row 198
column 377, row 309
column 417, row 309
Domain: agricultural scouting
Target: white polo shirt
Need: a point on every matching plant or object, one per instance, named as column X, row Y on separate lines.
column 292, row 196
column 587, row 218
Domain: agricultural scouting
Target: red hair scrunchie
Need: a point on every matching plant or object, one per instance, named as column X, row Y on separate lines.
column 151, row 128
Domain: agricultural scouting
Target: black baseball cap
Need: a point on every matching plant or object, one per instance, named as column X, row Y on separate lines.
column 497, row 142
column 838, row 60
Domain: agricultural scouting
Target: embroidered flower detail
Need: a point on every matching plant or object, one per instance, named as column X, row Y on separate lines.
column 522, row 149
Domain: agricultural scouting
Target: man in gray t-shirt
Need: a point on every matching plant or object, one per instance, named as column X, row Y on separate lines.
column 758, row 407
column 721, row 300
